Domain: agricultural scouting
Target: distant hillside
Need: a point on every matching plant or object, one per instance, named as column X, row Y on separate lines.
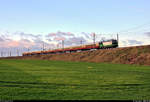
column 130, row 55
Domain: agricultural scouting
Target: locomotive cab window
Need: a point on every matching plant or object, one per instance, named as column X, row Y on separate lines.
column 114, row 41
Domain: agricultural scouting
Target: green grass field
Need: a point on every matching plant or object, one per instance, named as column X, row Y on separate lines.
column 59, row 80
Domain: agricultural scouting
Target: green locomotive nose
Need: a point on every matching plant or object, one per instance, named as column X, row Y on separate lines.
column 108, row 44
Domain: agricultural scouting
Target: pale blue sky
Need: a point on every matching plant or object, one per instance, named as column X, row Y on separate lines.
column 45, row 16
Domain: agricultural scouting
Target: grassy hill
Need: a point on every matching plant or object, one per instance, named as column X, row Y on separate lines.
column 139, row 55
column 50, row 80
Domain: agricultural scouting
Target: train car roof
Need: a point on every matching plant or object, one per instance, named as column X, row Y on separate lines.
column 108, row 40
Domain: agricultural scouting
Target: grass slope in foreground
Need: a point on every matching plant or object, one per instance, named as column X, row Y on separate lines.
column 44, row 80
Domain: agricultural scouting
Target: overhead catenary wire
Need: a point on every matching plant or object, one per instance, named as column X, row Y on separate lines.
column 134, row 28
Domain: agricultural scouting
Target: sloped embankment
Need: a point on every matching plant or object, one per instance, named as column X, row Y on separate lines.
column 129, row 55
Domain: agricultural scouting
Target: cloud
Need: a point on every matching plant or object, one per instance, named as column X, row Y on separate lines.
column 10, row 43
column 86, row 35
column 26, row 40
column 75, row 41
column 59, row 33
column 1, row 39
column 134, row 42
column 125, row 43
column 13, row 44
column 19, row 40
column 48, row 39
column 58, row 36
column 22, row 41
column 25, row 43
column 70, row 39
column 147, row 34
column 28, row 36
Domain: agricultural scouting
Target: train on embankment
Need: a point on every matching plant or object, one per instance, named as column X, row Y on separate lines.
column 112, row 43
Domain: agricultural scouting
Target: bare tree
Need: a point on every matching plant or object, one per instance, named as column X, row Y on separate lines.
column 17, row 52
column 1, row 53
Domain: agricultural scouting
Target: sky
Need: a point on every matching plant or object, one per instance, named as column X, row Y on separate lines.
column 28, row 23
